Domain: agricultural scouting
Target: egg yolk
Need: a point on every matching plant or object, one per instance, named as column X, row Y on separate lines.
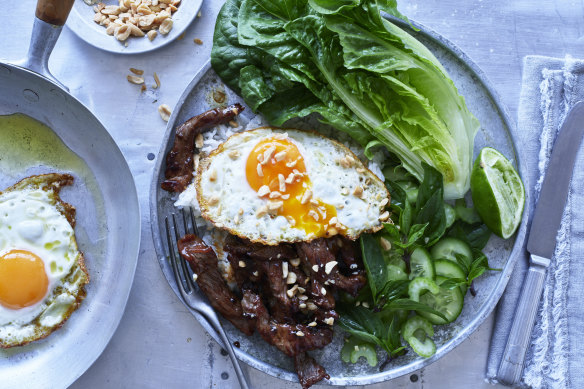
column 276, row 170
column 23, row 280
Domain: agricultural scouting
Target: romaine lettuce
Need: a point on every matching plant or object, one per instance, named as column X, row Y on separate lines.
column 361, row 73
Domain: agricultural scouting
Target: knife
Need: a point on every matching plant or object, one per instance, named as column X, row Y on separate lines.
column 542, row 241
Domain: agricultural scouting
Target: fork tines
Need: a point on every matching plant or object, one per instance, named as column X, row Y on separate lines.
column 182, row 273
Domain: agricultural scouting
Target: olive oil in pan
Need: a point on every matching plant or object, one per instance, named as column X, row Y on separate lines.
column 26, row 143
column 28, row 147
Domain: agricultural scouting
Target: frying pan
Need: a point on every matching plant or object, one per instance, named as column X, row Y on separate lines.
column 108, row 215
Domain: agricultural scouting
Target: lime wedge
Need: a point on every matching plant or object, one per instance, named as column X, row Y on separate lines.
column 497, row 192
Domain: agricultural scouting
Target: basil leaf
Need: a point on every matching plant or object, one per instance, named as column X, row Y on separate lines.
column 411, row 305
column 463, row 262
column 476, row 235
column 451, row 283
column 393, row 290
column 416, row 233
column 405, row 218
column 430, row 205
column 374, row 263
column 479, row 265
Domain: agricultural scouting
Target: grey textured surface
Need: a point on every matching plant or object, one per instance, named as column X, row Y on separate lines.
column 158, row 343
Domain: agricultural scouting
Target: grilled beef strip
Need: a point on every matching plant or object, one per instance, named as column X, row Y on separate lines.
column 291, row 339
column 258, row 251
column 203, row 261
column 308, row 370
column 318, row 253
column 283, row 307
column 179, row 160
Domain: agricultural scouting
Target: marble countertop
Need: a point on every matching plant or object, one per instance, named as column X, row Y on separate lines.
column 158, row 344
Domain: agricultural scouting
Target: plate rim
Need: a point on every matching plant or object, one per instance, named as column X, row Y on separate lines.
column 491, row 301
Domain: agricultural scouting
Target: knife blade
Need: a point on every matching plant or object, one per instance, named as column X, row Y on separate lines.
column 556, row 185
column 542, row 241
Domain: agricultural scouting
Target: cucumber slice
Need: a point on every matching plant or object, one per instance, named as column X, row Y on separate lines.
column 449, row 248
column 395, row 273
column 354, row 349
column 392, row 258
column 450, row 214
column 446, row 301
column 418, row 331
column 449, row 269
column 420, row 285
column 421, row 264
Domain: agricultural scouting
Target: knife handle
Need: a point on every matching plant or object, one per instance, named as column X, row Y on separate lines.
column 514, row 355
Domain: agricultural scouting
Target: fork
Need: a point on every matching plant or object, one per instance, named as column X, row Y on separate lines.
column 191, row 294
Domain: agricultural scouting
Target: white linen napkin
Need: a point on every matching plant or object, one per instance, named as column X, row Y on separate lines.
column 550, row 87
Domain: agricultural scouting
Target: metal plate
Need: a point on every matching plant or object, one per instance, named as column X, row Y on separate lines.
column 496, row 131
column 107, row 231
column 81, row 23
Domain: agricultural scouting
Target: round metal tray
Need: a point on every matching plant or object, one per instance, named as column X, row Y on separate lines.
column 496, row 131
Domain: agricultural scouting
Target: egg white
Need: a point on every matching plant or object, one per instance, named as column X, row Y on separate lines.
column 331, row 183
column 31, row 220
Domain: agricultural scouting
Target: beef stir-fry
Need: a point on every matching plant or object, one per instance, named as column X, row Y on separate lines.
column 286, row 293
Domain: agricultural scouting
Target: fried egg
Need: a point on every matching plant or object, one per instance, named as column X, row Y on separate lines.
column 273, row 185
column 42, row 272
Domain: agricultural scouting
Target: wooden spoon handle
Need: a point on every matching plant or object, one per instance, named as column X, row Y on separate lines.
column 54, row 11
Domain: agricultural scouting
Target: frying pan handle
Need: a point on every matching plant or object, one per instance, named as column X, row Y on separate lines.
column 51, row 15
column 54, row 11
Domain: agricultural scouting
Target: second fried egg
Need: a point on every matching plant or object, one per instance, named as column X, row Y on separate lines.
column 272, row 185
